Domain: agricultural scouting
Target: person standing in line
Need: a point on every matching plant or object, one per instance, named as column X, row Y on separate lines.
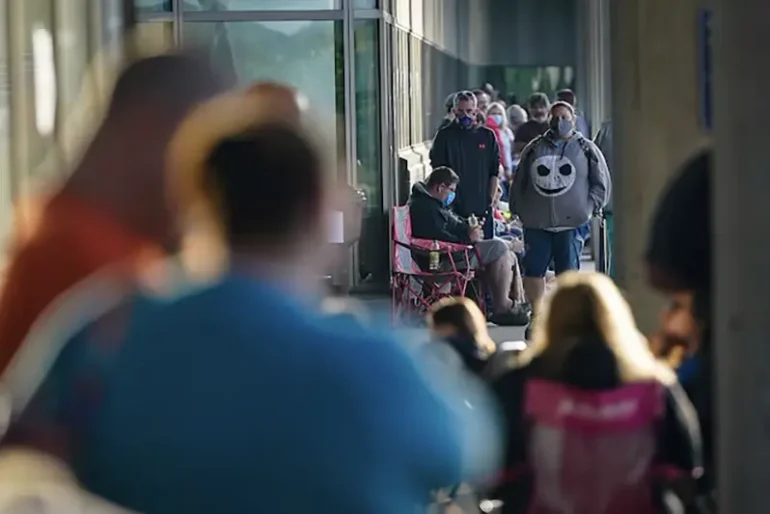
column 449, row 105
column 581, row 125
column 563, row 179
column 471, row 151
column 517, row 117
column 497, row 121
column 483, row 100
column 538, row 105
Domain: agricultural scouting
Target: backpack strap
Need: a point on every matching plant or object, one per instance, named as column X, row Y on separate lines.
column 588, row 149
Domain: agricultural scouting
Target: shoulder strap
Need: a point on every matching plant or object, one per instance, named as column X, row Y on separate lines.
column 588, row 149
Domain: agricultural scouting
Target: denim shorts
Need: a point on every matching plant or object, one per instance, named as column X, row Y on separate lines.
column 542, row 247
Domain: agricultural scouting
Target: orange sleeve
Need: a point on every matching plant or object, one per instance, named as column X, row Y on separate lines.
column 39, row 273
column 72, row 242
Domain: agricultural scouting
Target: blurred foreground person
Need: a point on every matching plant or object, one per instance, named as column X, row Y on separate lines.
column 241, row 395
column 679, row 260
column 113, row 205
column 596, row 425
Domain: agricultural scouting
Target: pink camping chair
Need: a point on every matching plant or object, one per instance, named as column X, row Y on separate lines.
column 592, row 452
column 414, row 289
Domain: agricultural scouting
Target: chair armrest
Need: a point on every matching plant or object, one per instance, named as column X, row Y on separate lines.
column 426, row 245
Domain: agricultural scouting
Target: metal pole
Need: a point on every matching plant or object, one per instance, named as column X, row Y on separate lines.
column 742, row 223
column 351, row 151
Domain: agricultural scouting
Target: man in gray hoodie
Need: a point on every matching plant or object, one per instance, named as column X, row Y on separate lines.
column 562, row 180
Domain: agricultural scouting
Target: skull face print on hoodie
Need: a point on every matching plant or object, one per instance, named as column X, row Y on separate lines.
column 560, row 183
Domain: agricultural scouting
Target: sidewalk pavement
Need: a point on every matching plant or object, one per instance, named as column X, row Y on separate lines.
column 381, row 304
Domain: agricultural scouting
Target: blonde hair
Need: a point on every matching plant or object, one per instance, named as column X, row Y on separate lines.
column 463, row 314
column 591, row 305
column 502, row 111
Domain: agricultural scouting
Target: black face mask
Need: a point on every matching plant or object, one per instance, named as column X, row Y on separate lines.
column 553, row 124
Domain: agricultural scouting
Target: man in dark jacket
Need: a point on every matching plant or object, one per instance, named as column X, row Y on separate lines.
column 432, row 218
column 471, row 150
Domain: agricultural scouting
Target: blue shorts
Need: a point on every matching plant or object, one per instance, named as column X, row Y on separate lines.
column 542, row 247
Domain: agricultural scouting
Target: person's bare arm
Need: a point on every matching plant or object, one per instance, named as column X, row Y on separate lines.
column 494, row 170
column 494, row 183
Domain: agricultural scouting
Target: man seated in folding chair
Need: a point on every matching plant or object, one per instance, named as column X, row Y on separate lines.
column 431, row 218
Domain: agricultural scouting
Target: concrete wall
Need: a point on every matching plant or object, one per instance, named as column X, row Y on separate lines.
column 655, row 112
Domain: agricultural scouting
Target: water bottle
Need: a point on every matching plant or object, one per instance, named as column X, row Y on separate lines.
column 434, row 257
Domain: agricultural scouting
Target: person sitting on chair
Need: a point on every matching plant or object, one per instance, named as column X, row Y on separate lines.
column 432, row 218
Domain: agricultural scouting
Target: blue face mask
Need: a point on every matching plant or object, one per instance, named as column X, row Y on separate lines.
column 450, row 199
column 498, row 118
column 465, row 121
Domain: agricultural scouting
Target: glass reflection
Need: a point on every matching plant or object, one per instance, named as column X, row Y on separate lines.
column 6, row 195
column 150, row 6
column 373, row 248
column 304, row 54
column 261, row 5
column 37, row 102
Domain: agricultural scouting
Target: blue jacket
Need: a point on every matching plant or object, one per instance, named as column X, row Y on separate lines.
column 240, row 398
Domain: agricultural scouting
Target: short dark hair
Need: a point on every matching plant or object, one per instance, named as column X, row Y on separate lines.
column 171, row 81
column 566, row 95
column 538, row 100
column 442, row 176
column 269, row 182
column 679, row 250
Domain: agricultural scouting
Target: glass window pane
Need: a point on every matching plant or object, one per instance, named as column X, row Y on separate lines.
column 36, row 99
column 154, row 37
column 261, row 5
column 373, row 247
column 365, row 4
column 150, row 6
column 401, row 92
column 304, row 54
column 6, row 191
column 73, row 59
column 368, row 141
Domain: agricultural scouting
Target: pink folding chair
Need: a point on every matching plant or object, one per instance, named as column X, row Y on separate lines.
column 414, row 289
column 592, row 452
